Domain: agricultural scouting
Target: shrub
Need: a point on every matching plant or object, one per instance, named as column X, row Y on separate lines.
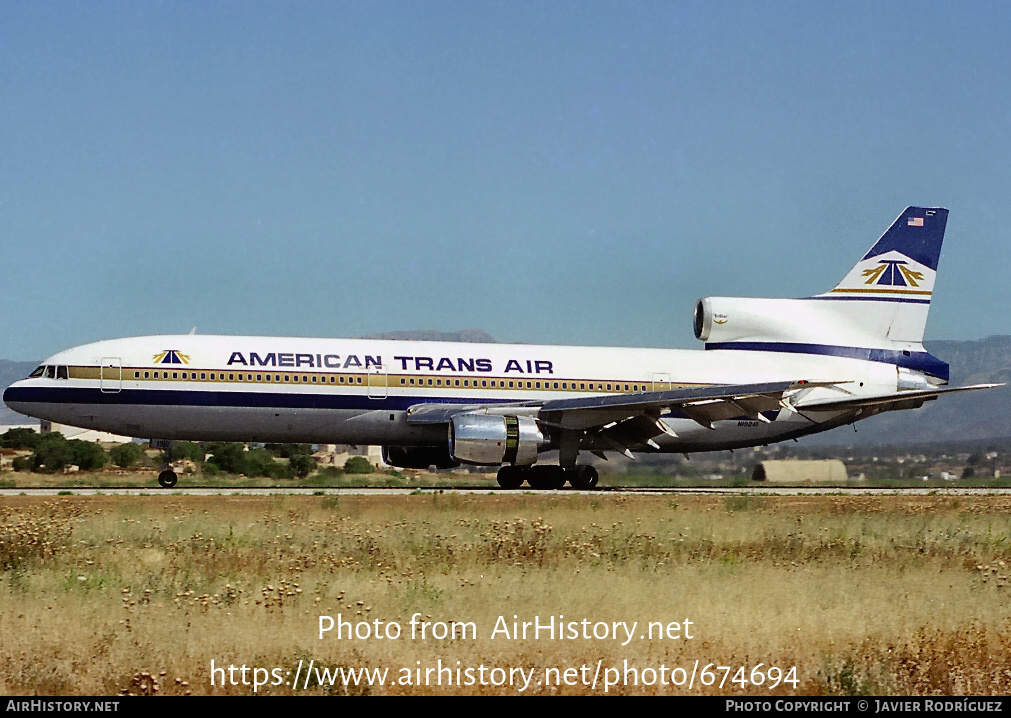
column 234, row 459
column 187, row 450
column 52, row 454
column 20, row 439
column 358, row 465
column 302, row 464
column 127, row 454
column 88, row 456
column 227, row 457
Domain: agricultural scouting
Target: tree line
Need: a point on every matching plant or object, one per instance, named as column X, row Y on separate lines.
column 53, row 452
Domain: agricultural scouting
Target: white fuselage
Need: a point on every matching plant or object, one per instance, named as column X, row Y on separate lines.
column 357, row 391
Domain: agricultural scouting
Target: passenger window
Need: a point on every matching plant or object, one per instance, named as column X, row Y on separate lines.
column 528, row 384
column 175, row 375
column 136, row 375
column 231, row 377
column 484, row 382
column 203, row 375
column 259, row 377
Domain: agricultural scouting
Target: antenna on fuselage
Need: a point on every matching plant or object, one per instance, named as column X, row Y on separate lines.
column 193, row 331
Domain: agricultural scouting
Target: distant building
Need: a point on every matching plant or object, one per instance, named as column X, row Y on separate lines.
column 797, row 471
column 338, row 454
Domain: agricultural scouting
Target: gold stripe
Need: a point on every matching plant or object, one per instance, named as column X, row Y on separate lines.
column 884, row 291
column 394, row 381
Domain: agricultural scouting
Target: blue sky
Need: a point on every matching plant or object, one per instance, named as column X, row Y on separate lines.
column 556, row 172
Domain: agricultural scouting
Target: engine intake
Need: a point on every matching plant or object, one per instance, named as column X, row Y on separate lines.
column 493, row 440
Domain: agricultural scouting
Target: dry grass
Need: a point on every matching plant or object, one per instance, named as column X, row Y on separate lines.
column 880, row 594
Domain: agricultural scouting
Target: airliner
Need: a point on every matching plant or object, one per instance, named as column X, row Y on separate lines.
column 771, row 370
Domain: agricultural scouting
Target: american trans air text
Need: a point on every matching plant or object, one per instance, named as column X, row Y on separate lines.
column 403, row 363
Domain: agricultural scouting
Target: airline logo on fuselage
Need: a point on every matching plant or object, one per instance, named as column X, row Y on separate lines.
column 399, row 363
column 171, row 356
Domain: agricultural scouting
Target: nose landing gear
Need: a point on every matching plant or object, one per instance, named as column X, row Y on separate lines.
column 167, row 478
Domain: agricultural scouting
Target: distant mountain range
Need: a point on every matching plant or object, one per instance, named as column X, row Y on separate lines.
column 972, row 415
column 476, row 336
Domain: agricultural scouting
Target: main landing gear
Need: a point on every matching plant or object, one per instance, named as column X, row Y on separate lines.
column 547, row 477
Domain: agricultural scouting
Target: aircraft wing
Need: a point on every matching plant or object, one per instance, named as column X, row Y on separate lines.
column 704, row 404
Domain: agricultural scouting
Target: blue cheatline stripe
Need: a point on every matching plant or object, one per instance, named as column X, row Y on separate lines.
column 259, row 400
column 184, row 397
column 839, row 298
column 919, row 361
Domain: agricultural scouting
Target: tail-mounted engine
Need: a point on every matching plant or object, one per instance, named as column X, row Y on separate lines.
column 722, row 320
column 493, row 440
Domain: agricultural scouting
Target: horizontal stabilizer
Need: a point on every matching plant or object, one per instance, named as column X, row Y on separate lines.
column 884, row 400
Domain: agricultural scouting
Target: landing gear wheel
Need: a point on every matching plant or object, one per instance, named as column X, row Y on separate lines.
column 583, row 477
column 167, row 478
column 546, row 477
column 510, row 477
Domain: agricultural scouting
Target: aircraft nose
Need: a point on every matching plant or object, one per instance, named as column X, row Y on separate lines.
column 10, row 394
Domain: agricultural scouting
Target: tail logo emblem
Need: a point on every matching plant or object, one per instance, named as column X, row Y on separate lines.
column 171, row 356
column 893, row 272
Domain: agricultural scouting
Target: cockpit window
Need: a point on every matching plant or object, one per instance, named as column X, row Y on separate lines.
column 38, row 372
column 50, row 372
column 61, row 372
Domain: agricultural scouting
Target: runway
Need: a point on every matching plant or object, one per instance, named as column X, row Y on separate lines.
column 364, row 491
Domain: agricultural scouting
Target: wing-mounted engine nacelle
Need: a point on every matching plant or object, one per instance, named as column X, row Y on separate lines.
column 493, row 440
column 418, row 457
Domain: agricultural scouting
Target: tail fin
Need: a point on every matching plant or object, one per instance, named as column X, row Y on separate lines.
column 899, row 270
column 902, row 264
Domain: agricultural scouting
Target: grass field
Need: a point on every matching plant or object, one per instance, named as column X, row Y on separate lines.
column 863, row 594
